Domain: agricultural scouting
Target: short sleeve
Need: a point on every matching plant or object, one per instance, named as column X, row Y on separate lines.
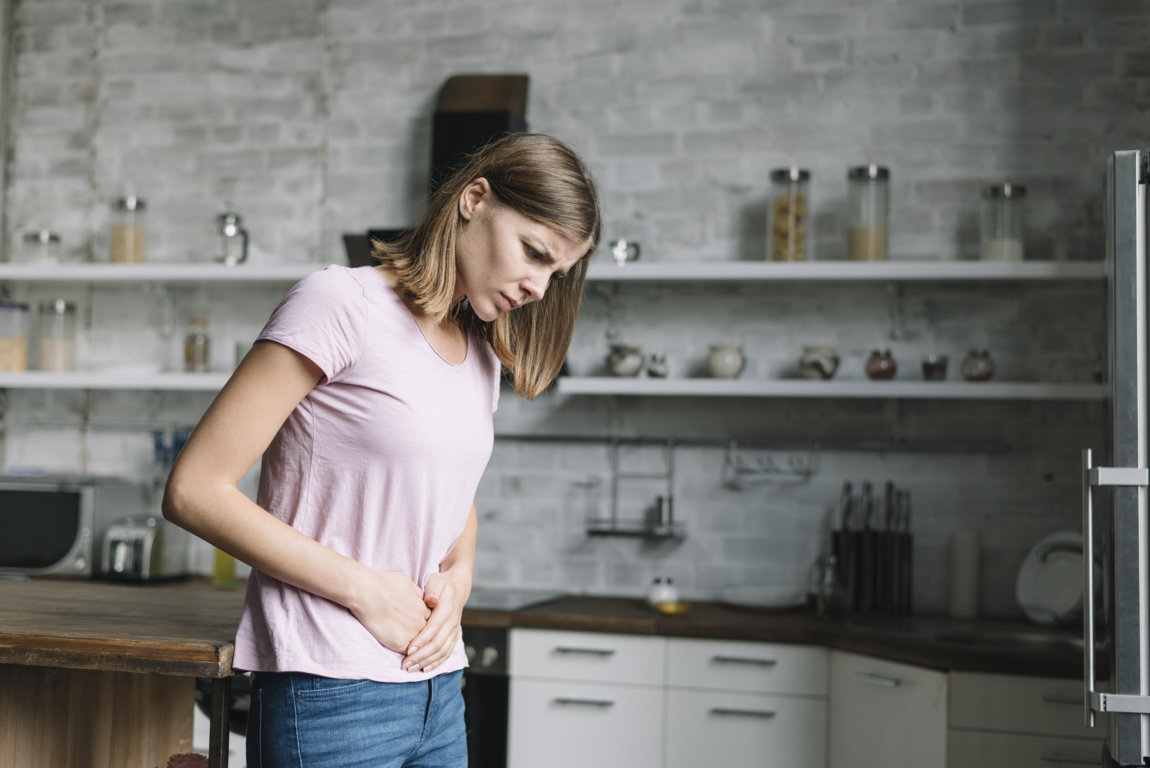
column 324, row 318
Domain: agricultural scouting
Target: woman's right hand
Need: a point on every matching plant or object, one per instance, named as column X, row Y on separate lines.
column 392, row 609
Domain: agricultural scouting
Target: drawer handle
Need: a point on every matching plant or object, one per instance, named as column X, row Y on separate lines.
column 1062, row 698
column 744, row 660
column 872, row 679
column 1059, row 757
column 762, row 714
column 567, row 649
column 597, row 703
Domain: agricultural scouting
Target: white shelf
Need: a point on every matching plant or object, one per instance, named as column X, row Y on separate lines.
column 182, row 382
column 942, row 390
column 720, row 271
column 167, row 273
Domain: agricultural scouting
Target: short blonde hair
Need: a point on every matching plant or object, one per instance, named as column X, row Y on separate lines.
column 543, row 179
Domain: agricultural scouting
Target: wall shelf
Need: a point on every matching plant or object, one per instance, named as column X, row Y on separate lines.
column 732, row 271
column 182, row 382
column 802, row 388
column 165, row 273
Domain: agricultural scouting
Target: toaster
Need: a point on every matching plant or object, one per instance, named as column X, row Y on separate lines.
column 145, row 548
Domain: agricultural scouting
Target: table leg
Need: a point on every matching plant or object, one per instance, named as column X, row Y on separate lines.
column 219, row 734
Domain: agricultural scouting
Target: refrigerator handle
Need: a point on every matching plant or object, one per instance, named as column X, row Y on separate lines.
column 1087, row 589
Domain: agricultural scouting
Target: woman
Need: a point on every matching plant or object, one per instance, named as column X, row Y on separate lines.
column 370, row 395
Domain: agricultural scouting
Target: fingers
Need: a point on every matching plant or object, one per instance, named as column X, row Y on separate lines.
column 435, row 642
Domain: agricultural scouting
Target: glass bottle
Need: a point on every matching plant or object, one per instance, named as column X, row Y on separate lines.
column 128, row 234
column 1002, row 219
column 868, row 210
column 788, row 230
column 197, row 346
column 56, row 332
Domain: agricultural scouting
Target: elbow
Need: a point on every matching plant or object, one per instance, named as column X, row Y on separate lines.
column 177, row 500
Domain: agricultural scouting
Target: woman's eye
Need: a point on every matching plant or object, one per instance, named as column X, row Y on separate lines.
column 533, row 254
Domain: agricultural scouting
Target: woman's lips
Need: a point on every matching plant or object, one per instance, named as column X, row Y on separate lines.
column 511, row 303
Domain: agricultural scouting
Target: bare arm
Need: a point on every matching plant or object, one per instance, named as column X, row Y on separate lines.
column 202, row 496
column 445, row 593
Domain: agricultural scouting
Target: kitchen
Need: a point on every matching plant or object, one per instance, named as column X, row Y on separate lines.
column 311, row 120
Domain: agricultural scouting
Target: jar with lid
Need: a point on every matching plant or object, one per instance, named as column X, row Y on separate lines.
column 197, row 346
column 788, row 230
column 1002, row 220
column 13, row 336
column 868, row 210
column 881, row 365
column 128, row 233
column 978, row 365
column 56, row 336
column 41, row 247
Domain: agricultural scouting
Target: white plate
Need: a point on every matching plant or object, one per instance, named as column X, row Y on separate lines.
column 769, row 598
column 1049, row 584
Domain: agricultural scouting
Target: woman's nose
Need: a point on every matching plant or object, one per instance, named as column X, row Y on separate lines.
column 535, row 285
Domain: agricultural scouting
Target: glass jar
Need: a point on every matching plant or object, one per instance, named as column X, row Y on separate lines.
column 41, row 247
column 128, row 234
column 868, row 210
column 788, row 230
column 56, row 336
column 197, row 346
column 1002, row 220
column 13, row 336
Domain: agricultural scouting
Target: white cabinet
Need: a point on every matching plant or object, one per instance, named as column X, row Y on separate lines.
column 885, row 714
column 745, row 704
column 597, row 700
column 585, row 700
column 1007, row 721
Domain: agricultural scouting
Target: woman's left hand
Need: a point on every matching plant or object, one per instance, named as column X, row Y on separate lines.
column 434, row 643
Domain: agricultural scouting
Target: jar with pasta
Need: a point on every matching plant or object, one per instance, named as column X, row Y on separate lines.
column 788, row 220
column 56, row 336
column 128, row 233
column 868, row 208
column 13, row 336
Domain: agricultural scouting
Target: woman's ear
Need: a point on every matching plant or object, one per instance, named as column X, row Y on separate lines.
column 473, row 195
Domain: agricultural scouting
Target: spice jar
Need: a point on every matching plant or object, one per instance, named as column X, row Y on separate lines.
column 41, row 247
column 881, row 365
column 56, row 336
column 197, row 346
column 788, row 232
column 1002, row 222
column 128, row 234
column 13, row 336
column 978, row 366
column 868, row 209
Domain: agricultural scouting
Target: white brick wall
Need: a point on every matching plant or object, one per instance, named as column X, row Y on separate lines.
column 312, row 119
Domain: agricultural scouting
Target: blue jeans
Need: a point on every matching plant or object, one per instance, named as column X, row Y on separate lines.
column 306, row 721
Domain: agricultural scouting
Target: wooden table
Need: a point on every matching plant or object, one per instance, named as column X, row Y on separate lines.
column 95, row 674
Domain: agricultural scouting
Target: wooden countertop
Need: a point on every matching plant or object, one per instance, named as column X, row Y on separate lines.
column 189, row 628
column 179, row 629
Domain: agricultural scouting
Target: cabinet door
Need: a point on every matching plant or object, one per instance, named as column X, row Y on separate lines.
column 1021, row 705
column 1012, row 750
column 565, row 724
column 730, row 665
column 587, row 656
column 707, row 728
column 885, row 714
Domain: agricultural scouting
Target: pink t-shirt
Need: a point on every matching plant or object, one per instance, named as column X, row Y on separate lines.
column 379, row 462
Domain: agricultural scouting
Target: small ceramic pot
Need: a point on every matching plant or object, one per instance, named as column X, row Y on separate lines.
column 881, row 366
column 818, row 362
column 726, row 361
column 934, row 367
column 657, row 366
column 978, row 366
column 625, row 360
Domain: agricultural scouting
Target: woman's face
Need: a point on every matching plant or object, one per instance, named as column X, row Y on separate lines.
column 504, row 259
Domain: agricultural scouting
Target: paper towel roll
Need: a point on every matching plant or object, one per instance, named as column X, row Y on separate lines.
column 964, row 548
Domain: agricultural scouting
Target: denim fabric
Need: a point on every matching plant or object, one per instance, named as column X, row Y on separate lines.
column 306, row 721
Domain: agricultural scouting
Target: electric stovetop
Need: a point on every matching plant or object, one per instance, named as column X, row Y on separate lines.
column 510, row 599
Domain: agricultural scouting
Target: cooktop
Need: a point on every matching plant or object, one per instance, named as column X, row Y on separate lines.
column 498, row 599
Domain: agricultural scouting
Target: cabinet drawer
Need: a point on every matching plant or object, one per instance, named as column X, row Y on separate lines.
column 562, row 724
column 745, row 666
column 588, row 656
column 1020, row 704
column 743, row 729
column 1013, row 750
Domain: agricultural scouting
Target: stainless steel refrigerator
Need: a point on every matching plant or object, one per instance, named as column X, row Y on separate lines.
column 1117, row 677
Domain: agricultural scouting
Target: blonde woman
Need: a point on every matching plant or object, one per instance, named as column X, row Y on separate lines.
column 370, row 395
